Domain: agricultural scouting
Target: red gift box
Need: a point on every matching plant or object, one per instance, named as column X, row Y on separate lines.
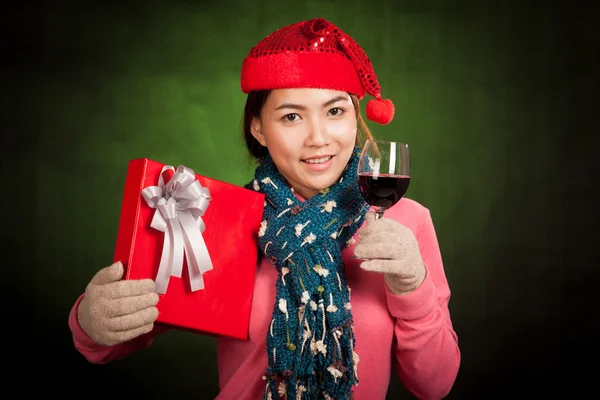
column 205, row 224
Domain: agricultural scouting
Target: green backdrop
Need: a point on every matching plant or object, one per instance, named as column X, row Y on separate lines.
column 487, row 96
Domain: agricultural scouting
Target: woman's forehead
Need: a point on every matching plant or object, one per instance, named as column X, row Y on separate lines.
column 306, row 96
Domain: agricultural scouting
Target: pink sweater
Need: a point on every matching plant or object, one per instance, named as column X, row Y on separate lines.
column 413, row 331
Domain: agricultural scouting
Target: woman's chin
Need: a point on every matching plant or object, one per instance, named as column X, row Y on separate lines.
column 323, row 183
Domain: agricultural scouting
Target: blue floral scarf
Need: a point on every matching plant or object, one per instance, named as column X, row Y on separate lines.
column 310, row 339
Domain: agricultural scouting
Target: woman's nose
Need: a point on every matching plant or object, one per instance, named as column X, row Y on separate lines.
column 317, row 135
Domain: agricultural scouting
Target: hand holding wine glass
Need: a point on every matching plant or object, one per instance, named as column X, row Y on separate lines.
column 383, row 173
column 385, row 245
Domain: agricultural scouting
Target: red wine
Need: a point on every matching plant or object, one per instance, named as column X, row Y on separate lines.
column 384, row 190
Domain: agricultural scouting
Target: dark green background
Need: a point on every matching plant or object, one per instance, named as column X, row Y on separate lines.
column 494, row 101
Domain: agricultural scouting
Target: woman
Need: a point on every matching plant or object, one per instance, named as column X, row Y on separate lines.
column 324, row 323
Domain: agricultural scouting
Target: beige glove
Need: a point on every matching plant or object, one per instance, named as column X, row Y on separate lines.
column 392, row 249
column 113, row 311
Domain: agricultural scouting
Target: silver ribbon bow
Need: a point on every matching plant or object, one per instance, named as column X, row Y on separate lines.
column 180, row 204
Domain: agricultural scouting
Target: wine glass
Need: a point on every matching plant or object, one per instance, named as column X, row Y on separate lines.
column 383, row 173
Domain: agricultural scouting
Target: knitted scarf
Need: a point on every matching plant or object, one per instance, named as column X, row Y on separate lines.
column 310, row 340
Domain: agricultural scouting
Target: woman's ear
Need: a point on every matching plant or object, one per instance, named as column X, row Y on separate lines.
column 256, row 130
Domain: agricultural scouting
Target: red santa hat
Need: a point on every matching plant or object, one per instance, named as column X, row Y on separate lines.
column 315, row 54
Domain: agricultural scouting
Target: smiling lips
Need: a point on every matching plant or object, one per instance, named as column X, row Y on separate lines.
column 317, row 164
column 320, row 160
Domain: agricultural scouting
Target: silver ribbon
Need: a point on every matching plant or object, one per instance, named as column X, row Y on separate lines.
column 180, row 204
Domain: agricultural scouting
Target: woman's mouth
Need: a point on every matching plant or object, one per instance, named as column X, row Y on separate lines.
column 321, row 160
column 318, row 164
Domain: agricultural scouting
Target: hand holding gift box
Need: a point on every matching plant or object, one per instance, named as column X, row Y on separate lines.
column 196, row 237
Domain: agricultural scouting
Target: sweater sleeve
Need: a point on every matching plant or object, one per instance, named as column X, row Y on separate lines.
column 98, row 354
column 426, row 346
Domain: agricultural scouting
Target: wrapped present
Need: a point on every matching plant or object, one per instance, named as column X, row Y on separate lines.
column 196, row 237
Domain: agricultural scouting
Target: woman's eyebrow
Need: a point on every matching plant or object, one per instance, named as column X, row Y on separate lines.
column 301, row 107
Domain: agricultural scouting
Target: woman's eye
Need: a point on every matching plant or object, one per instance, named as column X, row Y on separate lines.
column 290, row 117
column 336, row 111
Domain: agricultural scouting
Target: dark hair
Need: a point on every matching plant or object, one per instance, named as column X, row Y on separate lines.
column 253, row 108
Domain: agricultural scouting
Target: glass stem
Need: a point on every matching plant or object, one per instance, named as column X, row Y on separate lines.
column 378, row 214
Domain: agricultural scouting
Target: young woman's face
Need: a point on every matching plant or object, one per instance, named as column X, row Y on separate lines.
column 310, row 134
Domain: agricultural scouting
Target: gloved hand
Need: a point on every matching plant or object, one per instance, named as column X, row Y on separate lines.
column 113, row 311
column 391, row 248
